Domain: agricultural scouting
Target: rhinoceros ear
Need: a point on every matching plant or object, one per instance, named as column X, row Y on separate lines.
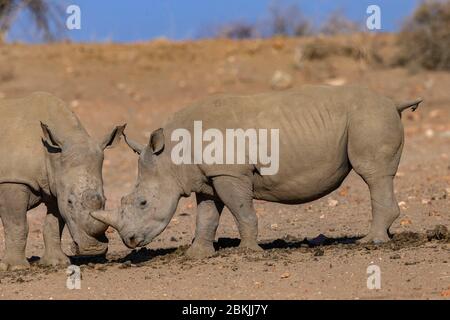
column 156, row 143
column 135, row 146
column 50, row 139
column 113, row 138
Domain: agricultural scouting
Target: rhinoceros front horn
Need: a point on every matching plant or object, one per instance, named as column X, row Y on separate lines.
column 108, row 217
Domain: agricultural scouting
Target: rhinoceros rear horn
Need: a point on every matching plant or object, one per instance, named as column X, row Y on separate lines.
column 110, row 218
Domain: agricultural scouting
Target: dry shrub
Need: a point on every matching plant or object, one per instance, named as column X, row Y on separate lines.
column 324, row 47
column 425, row 37
column 338, row 23
column 237, row 30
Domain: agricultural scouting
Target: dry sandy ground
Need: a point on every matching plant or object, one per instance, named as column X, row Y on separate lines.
column 309, row 249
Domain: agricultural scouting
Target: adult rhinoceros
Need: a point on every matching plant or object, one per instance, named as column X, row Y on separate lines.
column 46, row 156
column 324, row 133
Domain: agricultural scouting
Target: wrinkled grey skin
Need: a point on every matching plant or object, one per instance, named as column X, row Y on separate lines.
column 46, row 156
column 325, row 132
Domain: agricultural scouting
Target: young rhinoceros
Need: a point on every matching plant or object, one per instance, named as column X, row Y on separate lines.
column 46, row 156
column 324, row 132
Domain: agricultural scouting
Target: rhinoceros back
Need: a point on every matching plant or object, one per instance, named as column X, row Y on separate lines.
column 22, row 154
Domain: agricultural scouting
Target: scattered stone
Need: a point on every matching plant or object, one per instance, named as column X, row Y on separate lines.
column 318, row 252
column 332, row 202
column 336, row 82
column 285, row 275
column 126, row 264
column 402, row 205
column 446, row 293
column 429, row 133
column 74, row 103
column 395, row 256
column 100, row 267
column 274, row 226
column 173, row 239
column 405, row 222
column 440, row 232
column 281, row 80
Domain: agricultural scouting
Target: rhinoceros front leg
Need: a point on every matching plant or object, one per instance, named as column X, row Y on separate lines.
column 208, row 215
column 237, row 195
column 53, row 228
column 13, row 211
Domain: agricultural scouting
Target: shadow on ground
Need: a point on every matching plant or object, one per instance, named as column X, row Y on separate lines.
column 143, row 255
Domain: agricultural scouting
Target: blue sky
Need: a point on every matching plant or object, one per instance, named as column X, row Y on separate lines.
column 140, row 20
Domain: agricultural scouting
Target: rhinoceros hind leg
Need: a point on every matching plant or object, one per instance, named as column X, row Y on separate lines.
column 14, row 200
column 384, row 209
column 208, row 215
column 375, row 143
column 53, row 228
column 237, row 195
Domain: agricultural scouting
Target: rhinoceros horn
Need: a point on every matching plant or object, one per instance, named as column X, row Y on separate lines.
column 109, row 217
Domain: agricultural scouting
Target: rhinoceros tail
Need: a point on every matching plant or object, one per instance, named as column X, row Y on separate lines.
column 411, row 104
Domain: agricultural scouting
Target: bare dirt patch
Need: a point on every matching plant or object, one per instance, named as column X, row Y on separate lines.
column 310, row 250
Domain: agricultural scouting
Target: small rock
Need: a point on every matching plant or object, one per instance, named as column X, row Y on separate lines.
column 173, row 239
column 285, row 275
column 336, row 82
column 318, row 252
column 274, row 226
column 439, row 232
column 405, row 222
column 446, row 293
column 402, row 205
column 99, row 267
column 395, row 256
column 281, row 80
column 126, row 264
column 429, row 133
column 332, row 202
column 74, row 103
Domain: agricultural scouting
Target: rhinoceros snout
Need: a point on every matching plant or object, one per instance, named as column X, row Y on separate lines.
column 133, row 241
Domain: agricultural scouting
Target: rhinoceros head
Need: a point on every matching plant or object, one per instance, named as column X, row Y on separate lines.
column 74, row 168
column 148, row 209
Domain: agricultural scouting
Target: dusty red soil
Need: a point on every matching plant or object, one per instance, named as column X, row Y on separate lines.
column 142, row 84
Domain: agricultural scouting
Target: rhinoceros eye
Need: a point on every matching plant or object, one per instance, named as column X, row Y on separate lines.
column 143, row 203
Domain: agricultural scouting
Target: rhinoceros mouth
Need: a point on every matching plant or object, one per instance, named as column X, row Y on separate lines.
column 133, row 241
column 90, row 246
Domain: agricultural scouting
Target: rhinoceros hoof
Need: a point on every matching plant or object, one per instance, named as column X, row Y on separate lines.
column 54, row 260
column 14, row 265
column 200, row 251
column 250, row 245
column 378, row 239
